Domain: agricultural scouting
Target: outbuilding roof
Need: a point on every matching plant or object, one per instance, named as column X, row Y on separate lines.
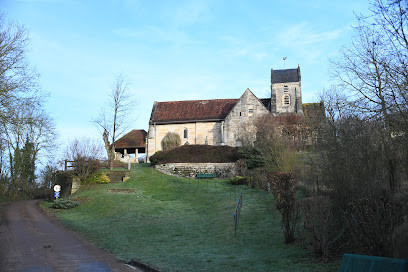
column 135, row 138
column 190, row 111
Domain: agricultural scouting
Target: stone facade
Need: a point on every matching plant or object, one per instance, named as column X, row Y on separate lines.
column 288, row 97
column 199, row 133
column 190, row 170
column 239, row 124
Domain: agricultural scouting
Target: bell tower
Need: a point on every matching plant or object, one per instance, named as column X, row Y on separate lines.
column 286, row 92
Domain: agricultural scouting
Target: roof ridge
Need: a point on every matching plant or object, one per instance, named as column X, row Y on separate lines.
column 198, row 100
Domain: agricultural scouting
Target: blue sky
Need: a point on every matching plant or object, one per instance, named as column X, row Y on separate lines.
column 174, row 50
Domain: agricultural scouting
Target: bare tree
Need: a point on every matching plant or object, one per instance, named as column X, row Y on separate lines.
column 112, row 120
column 23, row 121
column 391, row 18
column 18, row 81
column 84, row 147
column 372, row 71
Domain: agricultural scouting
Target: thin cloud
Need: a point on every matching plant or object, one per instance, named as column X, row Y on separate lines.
column 191, row 13
column 303, row 34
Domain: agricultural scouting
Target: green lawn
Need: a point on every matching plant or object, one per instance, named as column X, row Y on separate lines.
column 180, row 224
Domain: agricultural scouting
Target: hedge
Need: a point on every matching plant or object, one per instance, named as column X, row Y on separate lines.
column 197, row 154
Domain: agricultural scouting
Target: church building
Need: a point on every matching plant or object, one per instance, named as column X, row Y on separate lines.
column 224, row 121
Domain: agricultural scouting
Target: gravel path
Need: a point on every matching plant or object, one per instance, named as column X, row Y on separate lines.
column 31, row 241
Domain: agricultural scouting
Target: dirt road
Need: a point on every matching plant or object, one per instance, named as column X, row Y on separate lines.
column 31, row 241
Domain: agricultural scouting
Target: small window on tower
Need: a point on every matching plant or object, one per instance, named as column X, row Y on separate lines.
column 285, row 89
column 286, row 100
column 185, row 133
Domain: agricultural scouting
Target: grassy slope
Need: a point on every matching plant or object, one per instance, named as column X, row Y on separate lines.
column 186, row 225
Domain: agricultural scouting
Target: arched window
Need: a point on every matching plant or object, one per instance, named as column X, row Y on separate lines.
column 185, row 133
column 286, row 100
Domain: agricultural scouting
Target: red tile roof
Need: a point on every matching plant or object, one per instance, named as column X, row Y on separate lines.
column 197, row 110
column 135, row 138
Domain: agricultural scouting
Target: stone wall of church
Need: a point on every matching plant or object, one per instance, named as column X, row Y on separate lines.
column 239, row 124
column 197, row 133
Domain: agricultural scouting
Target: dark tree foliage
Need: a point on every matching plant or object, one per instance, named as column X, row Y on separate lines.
column 23, row 171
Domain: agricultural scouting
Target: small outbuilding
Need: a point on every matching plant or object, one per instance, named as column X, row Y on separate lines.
column 131, row 145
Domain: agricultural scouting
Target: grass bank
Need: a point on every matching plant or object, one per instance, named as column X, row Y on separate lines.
column 180, row 224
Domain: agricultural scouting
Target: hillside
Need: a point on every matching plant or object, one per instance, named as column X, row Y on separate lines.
column 179, row 224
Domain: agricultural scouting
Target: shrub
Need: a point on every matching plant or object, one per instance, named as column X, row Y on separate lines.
column 317, row 217
column 170, row 141
column 97, row 177
column 242, row 167
column 239, row 180
column 261, row 177
column 400, row 241
column 64, row 204
column 283, row 188
column 84, row 167
column 371, row 220
column 253, row 156
column 156, row 157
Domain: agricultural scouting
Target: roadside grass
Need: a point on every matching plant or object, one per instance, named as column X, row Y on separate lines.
column 178, row 224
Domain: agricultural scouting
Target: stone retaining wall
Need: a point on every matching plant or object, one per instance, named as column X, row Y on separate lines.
column 189, row 170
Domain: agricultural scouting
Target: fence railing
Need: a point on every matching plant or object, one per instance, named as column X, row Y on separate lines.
column 237, row 212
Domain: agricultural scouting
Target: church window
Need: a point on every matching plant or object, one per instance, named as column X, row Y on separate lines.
column 286, row 100
column 185, row 133
column 250, row 111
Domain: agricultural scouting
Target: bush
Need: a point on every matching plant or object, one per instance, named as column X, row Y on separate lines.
column 97, row 177
column 64, row 204
column 170, row 141
column 197, row 154
column 239, row 180
column 84, row 167
column 283, row 188
column 156, row 157
column 371, row 220
column 253, row 156
column 317, row 218
column 400, row 241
